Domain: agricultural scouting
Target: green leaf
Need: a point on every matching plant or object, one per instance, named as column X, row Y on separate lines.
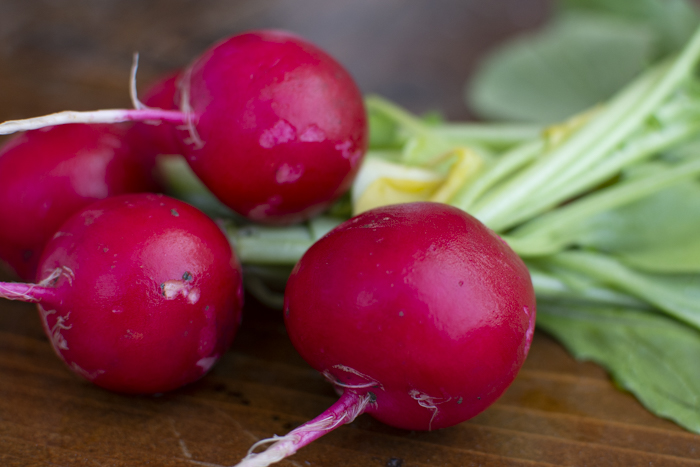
column 557, row 283
column 658, row 233
column 672, row 21
column 678, row 295
column 383, row 132
column 676, row 258
column 652, row 356
column 579, row 60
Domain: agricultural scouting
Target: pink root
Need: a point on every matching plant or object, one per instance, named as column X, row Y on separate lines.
column 345, row 410
column 25, row 292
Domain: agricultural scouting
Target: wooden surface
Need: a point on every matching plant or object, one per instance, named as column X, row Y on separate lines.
column 56, row 55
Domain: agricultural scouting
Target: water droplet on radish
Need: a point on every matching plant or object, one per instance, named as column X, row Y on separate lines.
column 312, row 134
column 206, row 363
column 346, row 150
column 288, row 173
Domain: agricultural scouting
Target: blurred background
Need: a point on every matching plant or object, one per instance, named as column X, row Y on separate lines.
column 76, row 54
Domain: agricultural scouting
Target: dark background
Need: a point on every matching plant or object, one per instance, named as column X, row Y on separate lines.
column 58, row 55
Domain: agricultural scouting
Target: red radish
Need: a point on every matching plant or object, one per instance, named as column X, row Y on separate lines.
column 417, row 313
column 137, row 293
column 46, row 175
column 280, row 126
column 274, row 126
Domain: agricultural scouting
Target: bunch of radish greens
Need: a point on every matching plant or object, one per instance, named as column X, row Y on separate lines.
column 603, row 208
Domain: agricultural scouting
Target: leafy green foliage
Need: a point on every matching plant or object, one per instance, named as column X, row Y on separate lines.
column 658, row 233
column 588, row 51
column 678, row 295
column 671, row 22
column 648, row 354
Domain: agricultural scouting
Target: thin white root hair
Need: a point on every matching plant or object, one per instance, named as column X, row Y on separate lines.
column 186, row 108
column 335, row 382
column 55, row 274
column 132, row 84
column 371, row 382
column 68, row 272
column 428, row 402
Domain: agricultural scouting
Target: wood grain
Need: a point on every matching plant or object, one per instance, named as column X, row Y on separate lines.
column 558, row 412
column 57, row 55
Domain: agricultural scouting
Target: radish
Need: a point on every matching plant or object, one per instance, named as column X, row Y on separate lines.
column 46, row 175
column 274, row 126
column 137, row 293
column 418, row 315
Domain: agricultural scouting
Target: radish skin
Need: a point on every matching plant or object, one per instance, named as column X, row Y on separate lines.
column 47, row 175
column 139, row 294
column 417, row 309
column 279, row 128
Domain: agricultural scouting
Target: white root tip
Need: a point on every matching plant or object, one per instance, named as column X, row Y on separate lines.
column 132, row 84
column 281, row 447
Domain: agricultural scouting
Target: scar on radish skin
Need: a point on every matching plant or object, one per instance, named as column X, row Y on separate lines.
column 174, row 288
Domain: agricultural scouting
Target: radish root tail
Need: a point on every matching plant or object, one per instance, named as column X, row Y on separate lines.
column 345, row 410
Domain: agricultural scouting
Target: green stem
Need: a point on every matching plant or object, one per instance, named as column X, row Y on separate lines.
column 505, row 166
column 552, row 232
column 595, row 140
column 495, row 209
column 668, row 293
column 397, row 114
column 551, row 285
column 256, row 244
column 641, row 148
column 493, row 135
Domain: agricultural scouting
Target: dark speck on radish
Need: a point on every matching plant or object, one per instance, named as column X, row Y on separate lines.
column 135, row 299
column 408, row 348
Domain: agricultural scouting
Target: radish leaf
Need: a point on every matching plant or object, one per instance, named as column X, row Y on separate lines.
column 648, row 354
column 574, row 63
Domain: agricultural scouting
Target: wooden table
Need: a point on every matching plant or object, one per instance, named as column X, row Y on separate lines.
column 56, row 55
